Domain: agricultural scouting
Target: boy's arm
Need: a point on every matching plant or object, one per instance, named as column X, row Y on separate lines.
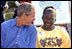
column 66, row 39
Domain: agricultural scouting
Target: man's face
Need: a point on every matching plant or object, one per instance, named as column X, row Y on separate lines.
column 49, row 19
column 30, row 18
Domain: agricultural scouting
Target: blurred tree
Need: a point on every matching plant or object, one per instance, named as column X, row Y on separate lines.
column 12, row 4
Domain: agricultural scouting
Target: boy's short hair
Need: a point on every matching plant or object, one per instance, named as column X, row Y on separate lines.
column 49, row 8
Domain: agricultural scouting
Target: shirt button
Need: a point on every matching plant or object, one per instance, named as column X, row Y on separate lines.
column 18, row 36
column 16, row 42
column 20, row 30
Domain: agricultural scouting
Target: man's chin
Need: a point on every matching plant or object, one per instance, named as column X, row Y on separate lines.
column 28, row 24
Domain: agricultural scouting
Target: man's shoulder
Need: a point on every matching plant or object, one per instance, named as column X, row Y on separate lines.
column 32, row 27
column 7, row 23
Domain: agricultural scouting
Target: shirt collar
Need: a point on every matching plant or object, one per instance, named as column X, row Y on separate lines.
column 13, row 23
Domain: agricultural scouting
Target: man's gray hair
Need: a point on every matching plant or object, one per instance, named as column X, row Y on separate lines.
column 25, row 8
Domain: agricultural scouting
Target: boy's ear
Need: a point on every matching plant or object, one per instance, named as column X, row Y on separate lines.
column 42, row 17
column 55, row 20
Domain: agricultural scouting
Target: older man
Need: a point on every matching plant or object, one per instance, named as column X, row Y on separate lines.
column 20, row 32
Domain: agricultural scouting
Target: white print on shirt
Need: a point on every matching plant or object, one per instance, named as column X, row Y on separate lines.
column 40, row 34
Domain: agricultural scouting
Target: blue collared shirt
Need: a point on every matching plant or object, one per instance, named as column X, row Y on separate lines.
column 13, row 36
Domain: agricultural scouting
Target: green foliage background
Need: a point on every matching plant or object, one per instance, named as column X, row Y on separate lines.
column 10, row 11
column 9, row 16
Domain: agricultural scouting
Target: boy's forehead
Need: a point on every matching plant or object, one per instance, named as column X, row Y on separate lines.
column 49, row 14
column 49, row 11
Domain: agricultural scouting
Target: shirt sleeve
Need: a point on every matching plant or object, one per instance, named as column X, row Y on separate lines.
column 32, row 43
column 37, row 44
column 66, row 39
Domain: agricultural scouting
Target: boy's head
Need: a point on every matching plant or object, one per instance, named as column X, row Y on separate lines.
column 49, row 16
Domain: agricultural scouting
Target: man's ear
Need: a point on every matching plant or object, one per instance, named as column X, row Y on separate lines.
column 23, row 14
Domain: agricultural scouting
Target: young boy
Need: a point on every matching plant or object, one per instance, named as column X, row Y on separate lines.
column 49, row 35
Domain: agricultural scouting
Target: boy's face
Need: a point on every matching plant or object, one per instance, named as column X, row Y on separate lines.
column 49, row 19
